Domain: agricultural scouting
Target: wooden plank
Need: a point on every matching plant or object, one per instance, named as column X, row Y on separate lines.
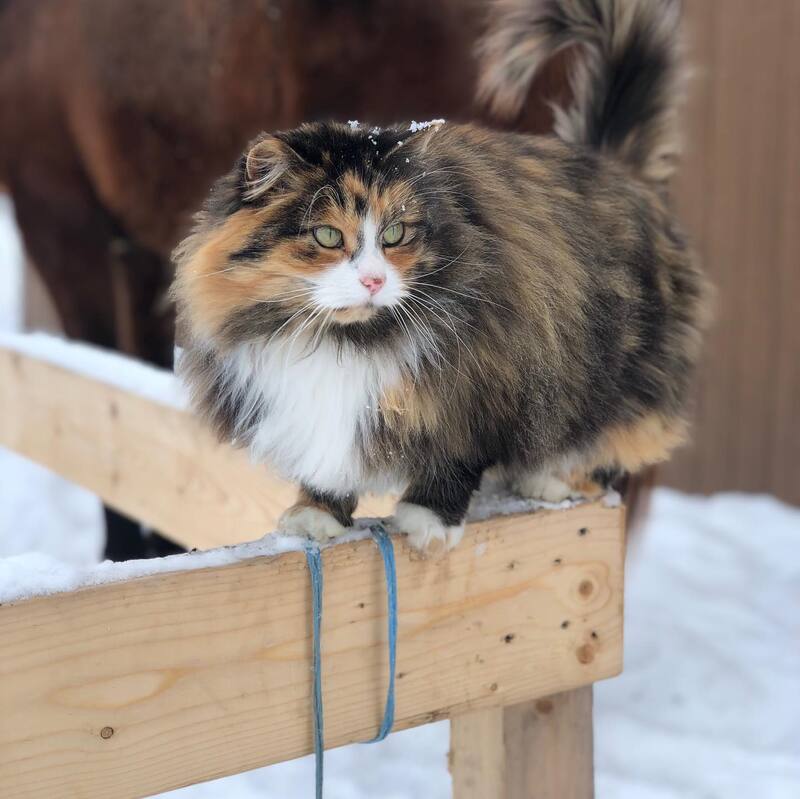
column 542, row 749
column 549, row 747
column 39, row 310
column 128, row 689
column 739, row 193
column 785, row 393
column 478, row 755
column 153, row 462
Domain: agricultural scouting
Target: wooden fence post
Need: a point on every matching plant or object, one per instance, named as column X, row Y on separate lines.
column 40, row 312
column 535, row 750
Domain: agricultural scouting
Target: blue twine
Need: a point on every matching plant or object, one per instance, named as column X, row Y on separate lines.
column 384, row 542
column 314, row 560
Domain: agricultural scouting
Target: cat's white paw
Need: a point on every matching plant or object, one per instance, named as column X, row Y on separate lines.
column 310, row 521
column 543, row 485
column 425, row 530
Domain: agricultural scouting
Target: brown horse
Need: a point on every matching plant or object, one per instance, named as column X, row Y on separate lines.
column 116, row 116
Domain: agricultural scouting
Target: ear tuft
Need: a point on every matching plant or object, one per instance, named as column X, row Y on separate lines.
column 265, row 163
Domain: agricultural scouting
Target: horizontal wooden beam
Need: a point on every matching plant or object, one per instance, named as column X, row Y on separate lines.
column 154, row 462
column 127, row 689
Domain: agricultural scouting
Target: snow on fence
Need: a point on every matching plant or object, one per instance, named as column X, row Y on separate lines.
column 128, row 688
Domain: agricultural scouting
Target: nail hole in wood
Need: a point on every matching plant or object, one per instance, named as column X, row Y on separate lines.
column 544, row 706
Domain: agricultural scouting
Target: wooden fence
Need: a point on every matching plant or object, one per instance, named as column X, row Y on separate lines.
column 128, row 689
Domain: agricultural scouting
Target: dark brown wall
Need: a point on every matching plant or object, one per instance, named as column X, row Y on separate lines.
column 740, row 197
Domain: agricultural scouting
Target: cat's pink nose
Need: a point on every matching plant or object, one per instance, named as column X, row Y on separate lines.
column 372, row 284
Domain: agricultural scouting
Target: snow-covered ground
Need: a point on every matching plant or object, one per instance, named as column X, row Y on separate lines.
column 708, row 706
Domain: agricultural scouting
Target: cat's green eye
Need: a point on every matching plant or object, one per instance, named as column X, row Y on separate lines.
column 394, row 234
column 328, row 236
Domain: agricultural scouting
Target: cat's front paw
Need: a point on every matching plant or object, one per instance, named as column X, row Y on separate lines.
column 311, row 521
column 426, row 532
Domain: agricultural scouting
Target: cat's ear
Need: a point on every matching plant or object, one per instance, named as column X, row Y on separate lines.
column 267, row 160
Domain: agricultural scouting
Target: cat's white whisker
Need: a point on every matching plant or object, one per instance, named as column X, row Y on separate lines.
column 451, row 324
column 297, row 313
column 415, row 282
column 326, row 189
column 424, row 330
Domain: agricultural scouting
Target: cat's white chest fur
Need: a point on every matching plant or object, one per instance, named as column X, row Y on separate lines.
column 318, row 404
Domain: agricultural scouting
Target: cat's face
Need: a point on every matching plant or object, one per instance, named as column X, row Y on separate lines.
column 323, row 227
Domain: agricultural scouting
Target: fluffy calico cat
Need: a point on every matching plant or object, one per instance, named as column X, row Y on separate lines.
column 405, row 308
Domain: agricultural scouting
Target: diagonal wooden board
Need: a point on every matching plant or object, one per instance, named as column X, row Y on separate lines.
column 128, row 689
column 154, row 462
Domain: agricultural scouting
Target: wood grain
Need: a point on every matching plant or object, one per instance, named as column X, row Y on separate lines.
column 541, row 749
column 739, row 194
column 478, row 755
column 156, row 463
column 550, row 747
column 129, row 689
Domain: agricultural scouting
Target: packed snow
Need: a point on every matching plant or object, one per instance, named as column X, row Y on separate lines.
column 38, row 574
column 414, row 127
column 707, row 707
column 25, row 575
column 106, row 366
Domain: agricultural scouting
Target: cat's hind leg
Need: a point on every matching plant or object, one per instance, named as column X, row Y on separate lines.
column 555, row 485
column 619, row 450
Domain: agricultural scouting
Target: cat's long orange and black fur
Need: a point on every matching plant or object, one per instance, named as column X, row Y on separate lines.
column 407, row 308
